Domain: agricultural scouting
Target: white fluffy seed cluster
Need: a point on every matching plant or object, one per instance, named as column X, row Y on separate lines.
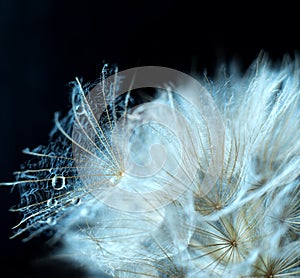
column 246, row 225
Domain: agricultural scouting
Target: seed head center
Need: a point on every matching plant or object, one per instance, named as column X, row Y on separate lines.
column 233, row 243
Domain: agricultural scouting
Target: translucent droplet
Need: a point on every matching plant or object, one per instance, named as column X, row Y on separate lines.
column 51, row 221
column 51, row 202
column 58, row 182
column 79, row 110
column 76, row 201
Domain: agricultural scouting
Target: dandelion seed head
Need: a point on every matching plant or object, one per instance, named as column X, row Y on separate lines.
column 192, row 179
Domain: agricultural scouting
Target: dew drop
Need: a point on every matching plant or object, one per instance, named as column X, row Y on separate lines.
column 52, row 203
column 58, row 182
column 51, row 221
column 76, row 201
column 79, row 110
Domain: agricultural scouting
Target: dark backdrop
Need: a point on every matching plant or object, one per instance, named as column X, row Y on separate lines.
column 46, row 44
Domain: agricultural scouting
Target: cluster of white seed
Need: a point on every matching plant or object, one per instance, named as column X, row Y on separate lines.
column 246, row 225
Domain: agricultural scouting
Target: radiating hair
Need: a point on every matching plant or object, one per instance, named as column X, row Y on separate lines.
column 246, row 225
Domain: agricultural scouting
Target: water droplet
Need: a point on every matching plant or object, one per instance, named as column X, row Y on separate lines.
column 52, row 202
column 58, row 183
column 79, row 110
column 76, row 201
column 51, row 221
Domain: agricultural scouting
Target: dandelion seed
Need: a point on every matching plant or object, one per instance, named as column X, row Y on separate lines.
column 161, row 184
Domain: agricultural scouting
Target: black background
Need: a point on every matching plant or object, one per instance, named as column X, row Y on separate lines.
column 46, row 44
